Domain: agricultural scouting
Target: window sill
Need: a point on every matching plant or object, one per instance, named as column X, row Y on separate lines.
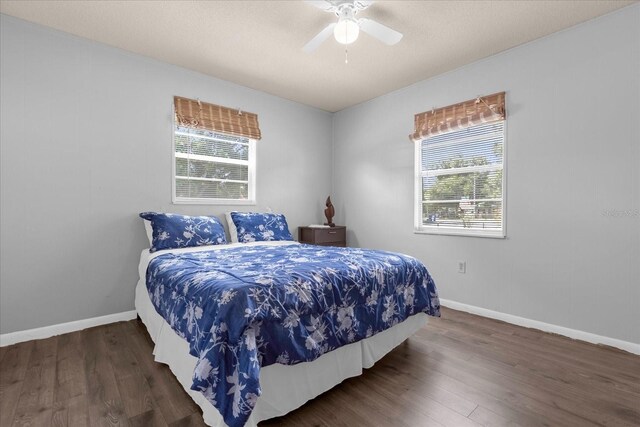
column 229, row 202
column 461, row 232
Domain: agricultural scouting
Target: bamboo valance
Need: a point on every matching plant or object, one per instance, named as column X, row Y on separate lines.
column 195, row 114
column 483, row 109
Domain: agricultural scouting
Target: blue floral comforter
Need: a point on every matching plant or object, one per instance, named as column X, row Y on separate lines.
column 242, row 308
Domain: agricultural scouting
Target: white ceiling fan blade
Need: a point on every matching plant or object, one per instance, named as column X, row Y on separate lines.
column 362, row 4
column 319, row 38
column 321, row 4
column 383, row 33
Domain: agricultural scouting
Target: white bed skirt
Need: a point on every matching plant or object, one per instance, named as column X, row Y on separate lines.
column 284, row 387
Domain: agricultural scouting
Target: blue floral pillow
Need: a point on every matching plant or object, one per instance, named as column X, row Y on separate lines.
column 173, row 231
column 260, row 227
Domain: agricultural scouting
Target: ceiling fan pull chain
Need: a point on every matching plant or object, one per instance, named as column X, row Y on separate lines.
column 346, row 55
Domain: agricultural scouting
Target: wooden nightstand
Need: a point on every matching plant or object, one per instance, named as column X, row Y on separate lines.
column 334, row 236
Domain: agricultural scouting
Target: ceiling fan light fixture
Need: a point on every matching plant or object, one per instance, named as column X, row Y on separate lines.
column 346, row 31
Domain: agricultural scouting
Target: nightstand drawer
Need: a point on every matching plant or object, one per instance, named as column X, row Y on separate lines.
column 334, row 236
column 330, row 235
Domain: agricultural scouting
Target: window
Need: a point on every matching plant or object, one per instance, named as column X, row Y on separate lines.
column 210, row 167
column 214, row 154
column 460, row 176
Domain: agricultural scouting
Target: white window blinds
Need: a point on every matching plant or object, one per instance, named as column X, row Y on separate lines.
column 459, row 181
column 211, row 167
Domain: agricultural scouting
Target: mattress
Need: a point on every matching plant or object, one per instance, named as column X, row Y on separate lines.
column 284, row 387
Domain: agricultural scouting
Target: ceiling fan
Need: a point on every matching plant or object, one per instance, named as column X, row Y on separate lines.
column 347, row 28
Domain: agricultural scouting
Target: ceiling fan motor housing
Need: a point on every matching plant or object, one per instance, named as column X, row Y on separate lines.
column 355, row 4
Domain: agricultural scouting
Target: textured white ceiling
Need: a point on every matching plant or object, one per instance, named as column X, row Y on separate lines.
column 259, row 43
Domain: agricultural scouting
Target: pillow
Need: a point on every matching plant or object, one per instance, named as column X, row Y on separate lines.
column 260, row 227
column 233, row 232
column 173, row 231
column 149, row 230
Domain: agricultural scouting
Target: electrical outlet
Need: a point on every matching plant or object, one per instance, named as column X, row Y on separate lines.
column 462, row 267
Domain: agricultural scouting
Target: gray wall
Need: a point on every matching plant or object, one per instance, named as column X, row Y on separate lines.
column 573, row 137
column 86, row 145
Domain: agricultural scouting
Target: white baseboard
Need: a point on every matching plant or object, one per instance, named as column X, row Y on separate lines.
column 78, row 325
column 63, row 328
column 546, row 327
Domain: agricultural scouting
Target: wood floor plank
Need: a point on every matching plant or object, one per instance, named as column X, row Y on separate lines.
column 488, row 418
column 3, row 350
column 105, row 407
column 152, row 417
column 469, row 389
column 394, row 410
column 401, row 403
column 70, row 379
column 193, row 420
column 9, row 395
column 318, row 412
column 71, row 412
column 15, row 362
column 555, row 408
column 122, row 359
column 35, row 417
column 108, row 413
column 549, row 347
column 132, row 384
column 36, row 398
column 411, row 387
column 13, row 368
column 135, row 394
column 98, row 370
column 432, row 409
column 371, row 410
column 167, row 392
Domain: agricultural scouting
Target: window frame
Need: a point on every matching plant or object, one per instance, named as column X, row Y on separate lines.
column 251, row 178
column 420, row 228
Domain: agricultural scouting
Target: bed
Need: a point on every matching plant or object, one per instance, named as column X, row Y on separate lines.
column 254, row 330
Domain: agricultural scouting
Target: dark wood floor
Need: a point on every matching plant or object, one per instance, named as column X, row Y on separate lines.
column 460, row 370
